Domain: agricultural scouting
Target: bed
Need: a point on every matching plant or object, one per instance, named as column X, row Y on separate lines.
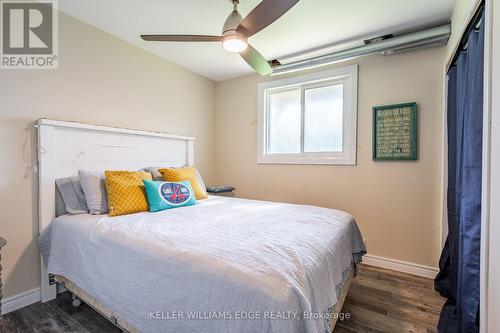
column 223, row 265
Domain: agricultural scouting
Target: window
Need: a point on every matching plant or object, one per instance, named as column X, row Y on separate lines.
column 309, row 119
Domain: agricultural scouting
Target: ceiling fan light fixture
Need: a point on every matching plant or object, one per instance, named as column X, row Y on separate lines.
column 234, row 43
column 236, row 31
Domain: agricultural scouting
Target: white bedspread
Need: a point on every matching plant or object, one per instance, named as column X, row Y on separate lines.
column 224, row 259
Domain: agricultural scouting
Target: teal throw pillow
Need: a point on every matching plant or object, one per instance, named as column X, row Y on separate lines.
column 166, row 195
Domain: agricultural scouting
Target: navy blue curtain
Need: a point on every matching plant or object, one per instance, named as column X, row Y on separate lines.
column 458, row 279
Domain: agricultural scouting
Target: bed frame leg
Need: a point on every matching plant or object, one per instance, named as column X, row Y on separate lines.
column 76, row 301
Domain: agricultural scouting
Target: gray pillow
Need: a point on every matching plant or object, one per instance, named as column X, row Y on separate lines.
column 79, row 192
column 60, row 206
column 155, row 174
column 158, row 176
column 72, row 194
column 94, row 187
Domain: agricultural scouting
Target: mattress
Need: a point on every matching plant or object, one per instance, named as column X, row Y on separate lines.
column 223, row 265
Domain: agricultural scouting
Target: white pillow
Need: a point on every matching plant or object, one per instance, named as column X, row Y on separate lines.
column 94, row 187
column 200, row 181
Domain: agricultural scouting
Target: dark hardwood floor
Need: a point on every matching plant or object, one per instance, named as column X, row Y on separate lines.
column 56, row 316
column 378, row 301
column 381, row 300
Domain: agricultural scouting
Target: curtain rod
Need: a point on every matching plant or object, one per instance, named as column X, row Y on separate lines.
column 474, row 24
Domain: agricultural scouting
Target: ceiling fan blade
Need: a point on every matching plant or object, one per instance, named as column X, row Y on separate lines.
column 181, row 38
column 263, row 15
column 256, row 61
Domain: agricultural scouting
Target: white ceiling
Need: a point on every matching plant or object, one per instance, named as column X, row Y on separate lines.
column 308, row 26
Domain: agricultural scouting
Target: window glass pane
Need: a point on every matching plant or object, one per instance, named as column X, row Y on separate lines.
column 323, row 119
column 284, row 122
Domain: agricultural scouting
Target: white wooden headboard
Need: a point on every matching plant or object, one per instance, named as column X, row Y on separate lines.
column 66, row 147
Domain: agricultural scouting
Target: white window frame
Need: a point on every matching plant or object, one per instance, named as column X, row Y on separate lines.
column 348, row 76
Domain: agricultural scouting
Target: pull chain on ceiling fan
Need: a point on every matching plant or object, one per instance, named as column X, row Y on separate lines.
column 237, row 30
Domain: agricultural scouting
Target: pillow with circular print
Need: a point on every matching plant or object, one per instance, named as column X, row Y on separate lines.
column 167, row 195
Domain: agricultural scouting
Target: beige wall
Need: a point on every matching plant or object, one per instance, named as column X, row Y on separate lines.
column 397, row 205
column 100, row 80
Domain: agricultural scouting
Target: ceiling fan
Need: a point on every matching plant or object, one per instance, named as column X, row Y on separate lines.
column 237, row 30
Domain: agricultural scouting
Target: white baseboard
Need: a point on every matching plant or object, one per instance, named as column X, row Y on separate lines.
column 21, row 300
column 26, row 298
column 401, row 266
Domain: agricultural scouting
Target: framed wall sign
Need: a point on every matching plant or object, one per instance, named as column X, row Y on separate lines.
column 395, row 132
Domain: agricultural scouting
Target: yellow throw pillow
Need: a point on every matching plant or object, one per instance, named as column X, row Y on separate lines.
column 126, row 192
column 185, row 173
